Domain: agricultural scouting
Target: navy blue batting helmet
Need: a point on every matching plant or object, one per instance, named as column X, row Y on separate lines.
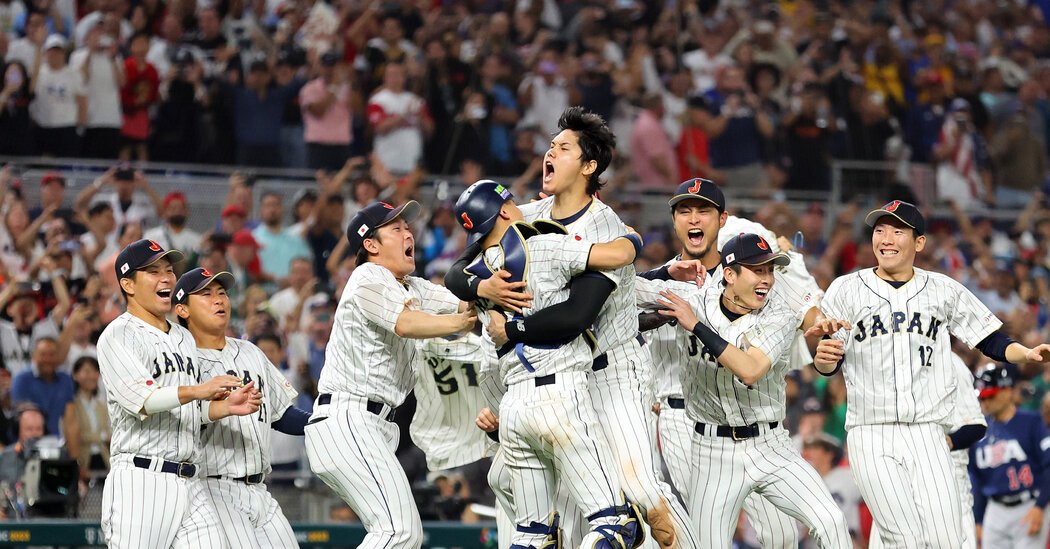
column 478, row 207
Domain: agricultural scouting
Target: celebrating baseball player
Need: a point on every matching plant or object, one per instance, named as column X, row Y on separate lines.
column 621, row 385
column 702, row 226
column 369, row 370
column 157, row 403
column 237, row 451
column 738, row 333
column 900, row 380
column 1010, row 467
column 548, row 431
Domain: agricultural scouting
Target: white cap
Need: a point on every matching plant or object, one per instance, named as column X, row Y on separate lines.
column 55, row 41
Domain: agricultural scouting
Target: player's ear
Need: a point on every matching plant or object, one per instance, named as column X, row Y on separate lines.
column 589, row 167
column 728, row 275
column 128, row 284
column 370, row 245
column 920, row 242
column 722, row 219
column 182, row 311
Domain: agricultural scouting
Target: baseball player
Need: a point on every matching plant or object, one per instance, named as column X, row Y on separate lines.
column 621, row 385
column 900, row 380
column 448, row 399
column 735, row 397
column 237, row 451
column 547, row 428
column 370, row 368
column 702, row 226
column 969, row 426
column 157, row 403
column 1010, row 467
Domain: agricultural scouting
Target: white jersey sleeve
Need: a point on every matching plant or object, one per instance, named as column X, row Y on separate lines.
column 378, row 303
column 431, row 297
column 774, row 334
column 125, row 365
column 970, row 320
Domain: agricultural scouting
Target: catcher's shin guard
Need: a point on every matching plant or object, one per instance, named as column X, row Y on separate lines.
column 626, row 533
column 552, row 529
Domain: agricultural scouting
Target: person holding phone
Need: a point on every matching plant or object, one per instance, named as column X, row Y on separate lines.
column 15, row 96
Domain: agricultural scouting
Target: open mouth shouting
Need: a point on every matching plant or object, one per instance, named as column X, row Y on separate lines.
column 761, row 294
column 410, row 252
column 548, row 171
column 165, row 295
column 696, row 237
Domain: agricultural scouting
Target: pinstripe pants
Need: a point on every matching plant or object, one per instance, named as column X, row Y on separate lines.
column 727, row 471
column 352, row 451
column 907, row 478
column 548, row 435
column 775, row 529
column 143, row 508
column 249, row 515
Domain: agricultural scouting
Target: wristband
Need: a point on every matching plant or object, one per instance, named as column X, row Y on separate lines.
column 162, row 400
column 710, row 339
column 636, row 241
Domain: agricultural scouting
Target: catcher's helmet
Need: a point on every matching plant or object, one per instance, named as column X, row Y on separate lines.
column 478, row 206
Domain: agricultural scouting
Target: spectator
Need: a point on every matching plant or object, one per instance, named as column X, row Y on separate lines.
column 104, row 10
column 86, row 419
column 173, row 233
column 138, row 95
column 26, row 326
column 807, row 131
column 286, row 305
column 234, row 218
column 293, row 147
column 102, row 69
column 926, row 119
column 544, row 94
column 81, row 326
column 824, row 453
column 43, row 385
column 735, row 126
column 178, row 126
column 652, row 154
column 133, row 199
column 326, row 107
column 1018, row 151
column 164, row 46
column 390, row 46
column 258, row 108
column 100, row 240
column 15, row 98
column 29, row 425
column 24, row 49
column 400, row 121
column 591, row 85
column 325, row 231
column 288, row 450
column 279, row 246
column 504, row 108
column 9, row 11
column 59, row 104
column 52, row 199
column 307, row 346
column 445, row 84
column 218, row 55
column 963, row 169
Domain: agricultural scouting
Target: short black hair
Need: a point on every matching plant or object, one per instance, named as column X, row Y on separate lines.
column 362, row 253
column 271, row 193
column 138, row 35
column 276, row 339
column 98, row 208
column 735, row 267
column 596, row 140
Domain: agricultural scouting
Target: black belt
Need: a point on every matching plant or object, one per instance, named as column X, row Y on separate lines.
column 601, row 361
column 676, row 403
column 373, row 406
column 181, row 469
column 735, row 433
column 544, row 380
column 250, row 479
column 1013, row 500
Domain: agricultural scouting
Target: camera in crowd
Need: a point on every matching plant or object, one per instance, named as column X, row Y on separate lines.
column 48, row 485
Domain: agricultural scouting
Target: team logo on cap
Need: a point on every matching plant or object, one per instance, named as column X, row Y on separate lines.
column 696, row 185
column 467, row 223
column 361, row 232
column 762, row 244
column 387, row 206
column 154, row 247
column 892, row 206
column 124, row 268
column 181, row 293
column 205, row 272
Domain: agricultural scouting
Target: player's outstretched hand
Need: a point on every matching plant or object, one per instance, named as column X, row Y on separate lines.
column 466, row 319
column 1039, row 353
column 244, row 401
column 509, row 295
column 827, row 327
column 487, row 421
column 497, row 328
column 217, row 388
column 689, row 270
column 829, row 353
column 674, row 306
column 1034, row 520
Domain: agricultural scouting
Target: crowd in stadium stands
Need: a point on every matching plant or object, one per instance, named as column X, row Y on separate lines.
column 377, row 95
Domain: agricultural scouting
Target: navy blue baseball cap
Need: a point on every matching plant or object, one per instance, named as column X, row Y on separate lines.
column 750, row 249
column 141, row 254
column 196, row 280
column 699, row 189
column 374, row 216
column 477, row 208
column 994, row 378
column 906, row 212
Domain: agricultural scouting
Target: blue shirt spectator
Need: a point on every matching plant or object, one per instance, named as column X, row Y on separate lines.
column 43, row 385
column 279, row 245
column 258, row 110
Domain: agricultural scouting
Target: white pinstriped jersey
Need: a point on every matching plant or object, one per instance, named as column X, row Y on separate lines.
column 364, row 356
column 449, row 397
column 136, row 359
column 239, row 446
column 967, row 407
column 553, row 261
column 713, row 394
column 898, row 365
column 617, row 322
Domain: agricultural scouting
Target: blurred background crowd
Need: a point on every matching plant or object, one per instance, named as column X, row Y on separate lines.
column 947, row 102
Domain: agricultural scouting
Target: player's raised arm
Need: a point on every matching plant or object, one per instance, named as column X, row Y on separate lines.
column 616, row 253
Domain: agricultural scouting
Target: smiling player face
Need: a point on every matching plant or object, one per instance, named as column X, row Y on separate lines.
column 151, row 287
column 895, row 244
column 208, row 310
column 752, row 285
